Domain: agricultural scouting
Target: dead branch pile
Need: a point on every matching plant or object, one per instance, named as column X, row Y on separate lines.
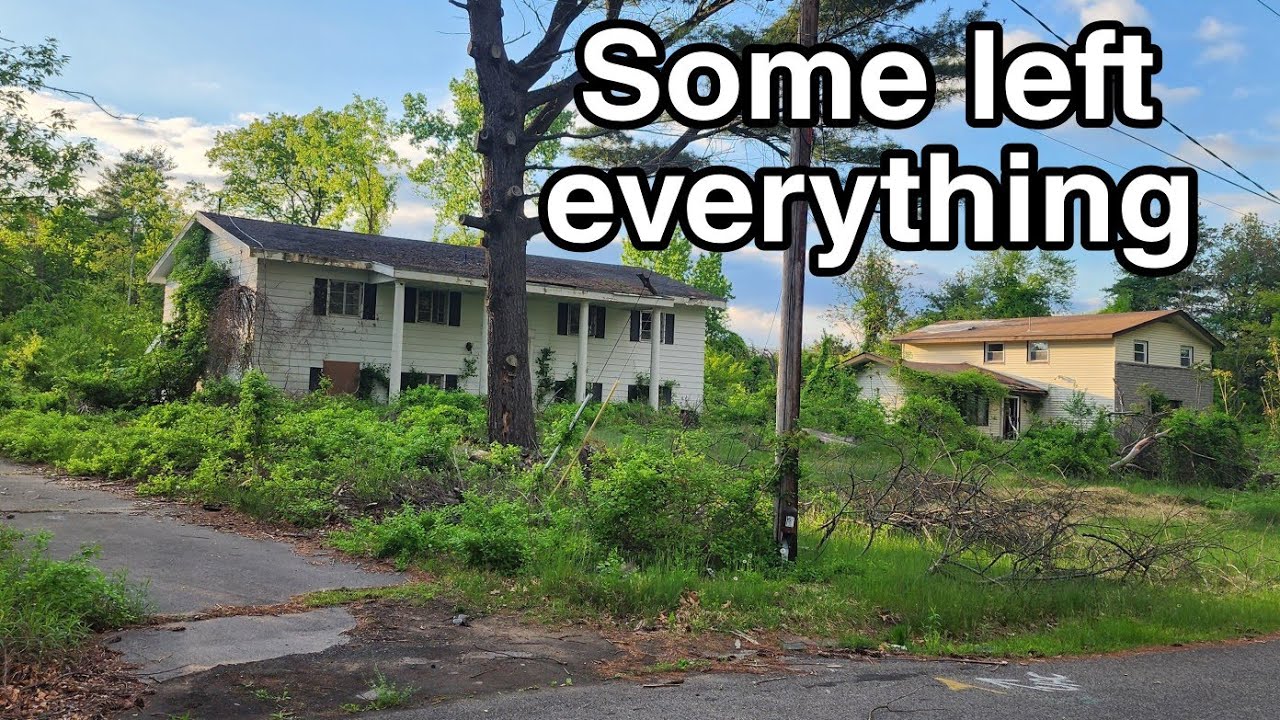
column 1014, row 532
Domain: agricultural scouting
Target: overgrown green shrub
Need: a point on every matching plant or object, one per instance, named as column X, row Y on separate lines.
column 650, row 501
column 938, row 420
column 1204, row 448
column 486, row 532
column 403, row 537
column 1064, row 448
column 47, row 605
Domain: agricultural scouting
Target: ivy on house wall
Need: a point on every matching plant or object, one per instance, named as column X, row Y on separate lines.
column 180, row 355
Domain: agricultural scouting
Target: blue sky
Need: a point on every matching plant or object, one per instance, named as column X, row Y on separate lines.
column 191, row 73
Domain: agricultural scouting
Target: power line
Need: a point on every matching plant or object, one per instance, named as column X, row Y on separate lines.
column 1151, row 145
column 1112, row 163
column 1268, row 196
column 1273, row 10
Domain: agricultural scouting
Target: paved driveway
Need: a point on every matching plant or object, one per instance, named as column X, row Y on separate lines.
column 189, row 568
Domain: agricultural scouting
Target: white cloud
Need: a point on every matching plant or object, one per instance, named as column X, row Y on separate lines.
column 761, row 327
column 186, row 139
column 1221, row 41
column 1172, row 95
column 1129, row 12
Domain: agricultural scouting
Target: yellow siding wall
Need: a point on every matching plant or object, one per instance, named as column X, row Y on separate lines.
column 1085, row 365
column 1164, row 342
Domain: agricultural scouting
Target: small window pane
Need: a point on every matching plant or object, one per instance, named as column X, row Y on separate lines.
column 440, row 307
column 1140, row 352
column 1187, row 356
column 1038, row 351
column 646, row 324
column 995, row 352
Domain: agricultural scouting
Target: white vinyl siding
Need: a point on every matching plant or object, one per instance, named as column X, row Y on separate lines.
column 292, row 339
column 682, row 361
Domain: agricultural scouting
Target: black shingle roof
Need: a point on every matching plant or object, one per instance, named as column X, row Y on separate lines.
column 434, row 257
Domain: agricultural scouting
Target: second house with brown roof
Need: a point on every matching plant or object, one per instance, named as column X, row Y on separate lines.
column 1115, row 362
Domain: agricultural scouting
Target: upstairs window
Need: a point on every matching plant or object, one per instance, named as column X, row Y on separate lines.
column 344, row 297
column 641, row 325
column 1140, row 353
column 1187, row 356
column 433, row 306
column 994, row 352
column 569, row 320
column 1038, row 351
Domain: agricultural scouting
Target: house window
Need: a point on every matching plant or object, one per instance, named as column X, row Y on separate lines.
column 1140, row 354
column 1187, row 356
column 1037, row 351
column 344, row 297
column 995, row 352
column 569, row 320
column 412, row 379
column 641, row 325
column 976, row 410
column 433, row 306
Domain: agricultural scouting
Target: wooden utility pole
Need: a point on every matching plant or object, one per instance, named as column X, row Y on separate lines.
column 786, row 520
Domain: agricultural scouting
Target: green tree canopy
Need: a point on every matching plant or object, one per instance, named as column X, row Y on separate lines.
column 874, row 297
column 451, row 173
column 1004, row 284
column 319, row 169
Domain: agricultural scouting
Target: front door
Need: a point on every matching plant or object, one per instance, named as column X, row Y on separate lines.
column 1012, row 417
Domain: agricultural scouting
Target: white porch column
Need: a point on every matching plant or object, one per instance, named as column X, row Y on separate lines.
column 483, row 364
column 397, row 343
column 584, row 322
column 655, row 338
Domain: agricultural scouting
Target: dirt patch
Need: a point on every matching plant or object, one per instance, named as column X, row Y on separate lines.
column 90, row 684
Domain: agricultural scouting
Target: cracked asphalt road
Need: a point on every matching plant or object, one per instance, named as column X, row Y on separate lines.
column 188, row 568
column 1232, row 681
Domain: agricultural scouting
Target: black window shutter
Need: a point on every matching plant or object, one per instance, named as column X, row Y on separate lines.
column 411, row 305
column 562, row 318
column 450, row 382
column 313, row 379
column 370, row 301
column 320, row 297
column 635, row 326
column 599, row 311
column 597, row 392
column 664, row 395
column 455, row 313
column 669, row 329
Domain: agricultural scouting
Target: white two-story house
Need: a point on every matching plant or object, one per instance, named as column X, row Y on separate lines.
column 1113, row 359
column 329, row 303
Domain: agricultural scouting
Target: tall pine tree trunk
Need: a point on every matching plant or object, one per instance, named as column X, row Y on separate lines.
column 506, row 229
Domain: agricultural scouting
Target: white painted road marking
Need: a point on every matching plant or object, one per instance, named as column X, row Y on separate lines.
column 1035, row 681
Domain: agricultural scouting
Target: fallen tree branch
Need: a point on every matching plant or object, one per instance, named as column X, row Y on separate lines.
column 1137, row 449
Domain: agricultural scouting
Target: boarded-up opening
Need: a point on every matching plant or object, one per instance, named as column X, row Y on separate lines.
column 345, row 376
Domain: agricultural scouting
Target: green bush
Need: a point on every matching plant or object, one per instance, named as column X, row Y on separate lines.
column 651, row 501
column 1073, row 451
column 486, row 532
column 47, row 605
column 936, row 419
column 1206, row 448
column 403, row 537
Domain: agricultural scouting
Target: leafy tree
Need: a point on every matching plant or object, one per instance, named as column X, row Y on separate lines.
column 704, row 271
column 39, row 165
column 1189, row 290
column 539, row 95
column 451, row 174
column 314, row 169
column 874, row 296
column 1245, row 310
column 138, row 214
column 1004, row 284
